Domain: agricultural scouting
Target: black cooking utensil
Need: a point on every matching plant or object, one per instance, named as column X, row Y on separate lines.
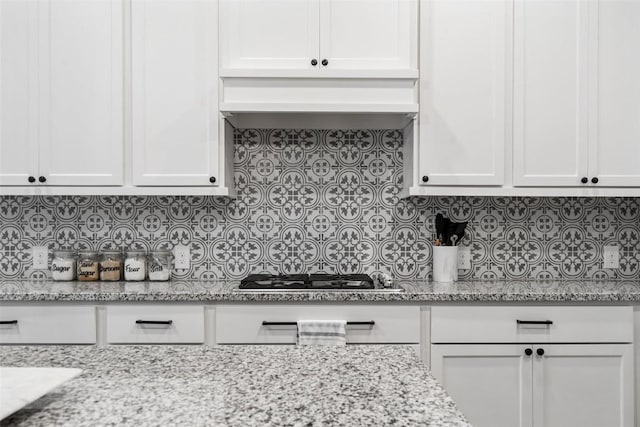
column 456, row 229
column 459, row 231
column 447, row 231
column 440, row 228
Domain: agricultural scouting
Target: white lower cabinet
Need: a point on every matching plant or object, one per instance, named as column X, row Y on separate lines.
column 583, row 385
column 47, row 324
column 542, row 384
column 490, row 383
column 155, row 324
column 243, row 324
column 569, row 385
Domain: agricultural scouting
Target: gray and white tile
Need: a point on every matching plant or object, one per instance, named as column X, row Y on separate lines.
column 328, row 200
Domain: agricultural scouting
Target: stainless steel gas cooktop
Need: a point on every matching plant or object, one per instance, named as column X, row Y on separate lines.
column 311, row 282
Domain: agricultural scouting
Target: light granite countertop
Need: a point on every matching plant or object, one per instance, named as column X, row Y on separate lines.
column 617, row 291
column 236, row 386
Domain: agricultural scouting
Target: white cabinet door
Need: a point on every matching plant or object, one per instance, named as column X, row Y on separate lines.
column 18, row 98
column 175, row 92
column 368, row 34
column 269, row 34
column 491, row 384
column 550, row 93
column 583, row 386
column 462, row 120
column 81, row 91
column 614, row 151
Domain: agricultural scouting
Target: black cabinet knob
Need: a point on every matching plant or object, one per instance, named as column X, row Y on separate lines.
column 540, row 352
column 528, row 351
column 314, row 62
column 325, row 62
column 31, row 179
column 594, row 180
column 212, row 180
column 42, row 179
column 425, row 178
column 584, row 180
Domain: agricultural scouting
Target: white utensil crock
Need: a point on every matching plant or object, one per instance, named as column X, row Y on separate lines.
column 445, row 264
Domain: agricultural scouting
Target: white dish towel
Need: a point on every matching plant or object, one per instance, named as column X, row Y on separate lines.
column 322, row 332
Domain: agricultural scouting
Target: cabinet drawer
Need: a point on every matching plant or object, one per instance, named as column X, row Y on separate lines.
column 47, row 324
column 242, row 324
column 150, row 324
column 490, row 324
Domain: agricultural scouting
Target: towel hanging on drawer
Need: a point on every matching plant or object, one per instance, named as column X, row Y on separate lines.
column 322, row 332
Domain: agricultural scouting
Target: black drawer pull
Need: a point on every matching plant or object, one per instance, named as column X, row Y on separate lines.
column 154, row 322
column 8, row 322
column 534, row 322
column 265, row 323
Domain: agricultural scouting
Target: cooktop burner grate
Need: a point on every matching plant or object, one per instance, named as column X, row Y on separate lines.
column 308, row 281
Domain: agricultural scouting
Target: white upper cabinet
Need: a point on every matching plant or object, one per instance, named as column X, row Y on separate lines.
column 577, row 93
column 61, row 117
column 18, row 99
column 175, row 115
column 465, row 57
column 81, row 96
column 368, row 34
column 527, row 98
column 614, row 136
column 318, row 36
column 550, row 87
column 258, row 34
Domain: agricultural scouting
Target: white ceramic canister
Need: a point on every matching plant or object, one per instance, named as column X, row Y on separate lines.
column 445, row 264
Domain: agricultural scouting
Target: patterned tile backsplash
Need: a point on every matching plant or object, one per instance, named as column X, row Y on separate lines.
column 328, row 201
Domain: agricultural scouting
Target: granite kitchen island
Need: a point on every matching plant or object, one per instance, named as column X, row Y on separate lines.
column 235, row 386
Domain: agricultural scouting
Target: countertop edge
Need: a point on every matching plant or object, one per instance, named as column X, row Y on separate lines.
column 415, row 292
